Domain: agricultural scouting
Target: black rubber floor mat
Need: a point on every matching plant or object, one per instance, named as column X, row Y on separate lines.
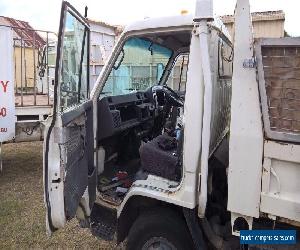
column 103, row 222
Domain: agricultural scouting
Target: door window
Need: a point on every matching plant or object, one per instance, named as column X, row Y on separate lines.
column 74, row 71
column 178, row 76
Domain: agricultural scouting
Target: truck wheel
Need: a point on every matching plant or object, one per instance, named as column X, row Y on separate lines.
column 159, row 229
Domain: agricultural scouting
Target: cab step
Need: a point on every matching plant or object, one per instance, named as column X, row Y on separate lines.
column 103, row 222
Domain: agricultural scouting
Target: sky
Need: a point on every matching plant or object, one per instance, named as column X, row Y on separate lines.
column 44, row 14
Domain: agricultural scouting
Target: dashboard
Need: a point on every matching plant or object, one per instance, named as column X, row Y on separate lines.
column 119, row 113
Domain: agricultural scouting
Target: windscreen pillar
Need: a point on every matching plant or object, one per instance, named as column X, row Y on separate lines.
column 246, row 136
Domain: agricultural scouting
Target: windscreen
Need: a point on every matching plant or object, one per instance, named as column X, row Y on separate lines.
column 139, row 66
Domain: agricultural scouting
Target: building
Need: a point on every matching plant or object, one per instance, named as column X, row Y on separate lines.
column 265, row 24
column 27, row 45
column 102, row 39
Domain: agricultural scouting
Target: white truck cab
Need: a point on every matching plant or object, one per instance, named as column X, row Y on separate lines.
column 146, row 156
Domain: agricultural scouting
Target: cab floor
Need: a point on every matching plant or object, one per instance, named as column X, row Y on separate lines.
column 108, row 187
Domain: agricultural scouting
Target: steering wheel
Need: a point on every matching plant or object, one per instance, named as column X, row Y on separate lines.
column 169, row 94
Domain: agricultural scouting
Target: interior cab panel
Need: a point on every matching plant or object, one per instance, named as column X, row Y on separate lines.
column 140, row 135
column 119, row 113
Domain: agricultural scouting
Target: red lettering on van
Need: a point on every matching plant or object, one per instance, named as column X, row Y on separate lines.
column 3, row 112
column 4, row 85
column 3, row 130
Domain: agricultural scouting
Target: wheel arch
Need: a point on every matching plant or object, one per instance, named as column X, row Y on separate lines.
column 135, row 206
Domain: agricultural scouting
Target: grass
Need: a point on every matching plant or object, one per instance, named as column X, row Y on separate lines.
column 22, row 211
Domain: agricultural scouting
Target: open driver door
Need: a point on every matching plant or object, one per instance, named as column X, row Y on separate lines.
column 69, row 171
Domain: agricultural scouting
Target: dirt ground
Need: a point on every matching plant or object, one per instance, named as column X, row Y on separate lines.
column 22, row 212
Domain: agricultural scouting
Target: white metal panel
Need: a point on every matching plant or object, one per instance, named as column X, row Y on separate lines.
column 204, row 9
column 205, row 67
column 281, row 187
column 283, row 151
column 7, row 97
column 159, row 188
column 286, row 208
column 161, row 22
column 56, row 198
column 193, row 108
column 246, row 137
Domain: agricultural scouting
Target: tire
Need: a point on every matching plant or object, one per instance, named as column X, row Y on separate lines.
column 159, row 229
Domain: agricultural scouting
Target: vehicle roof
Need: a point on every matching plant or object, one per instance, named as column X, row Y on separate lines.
column 170, row 21
column 160, row 22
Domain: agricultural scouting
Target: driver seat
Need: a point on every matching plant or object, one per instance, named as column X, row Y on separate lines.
column 159, row 157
